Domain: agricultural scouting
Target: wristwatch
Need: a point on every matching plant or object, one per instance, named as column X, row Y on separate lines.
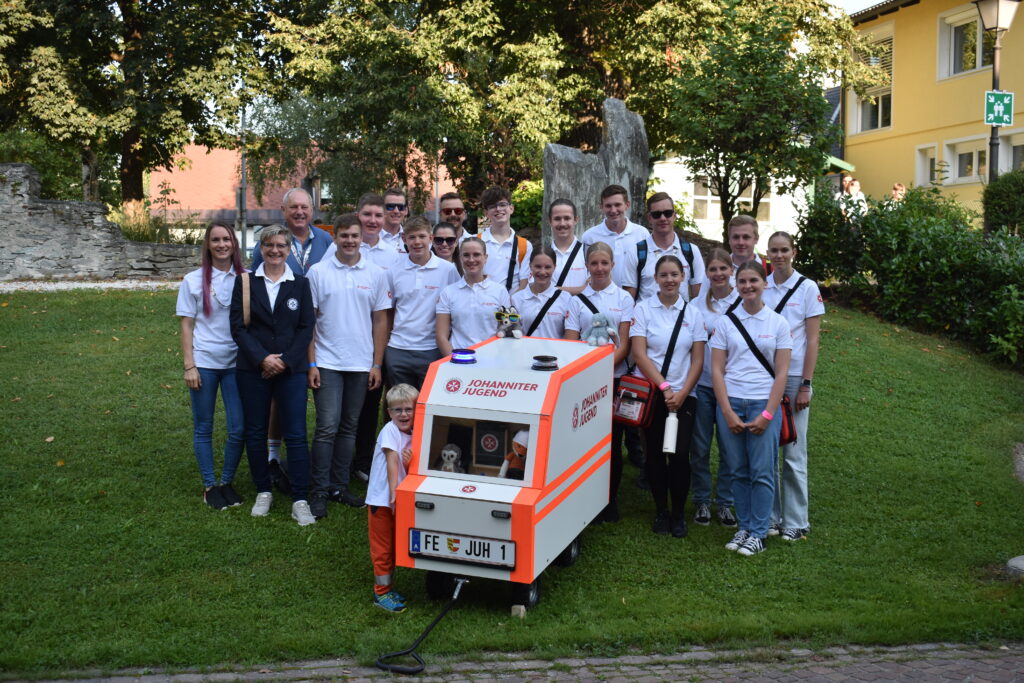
column 805, row 383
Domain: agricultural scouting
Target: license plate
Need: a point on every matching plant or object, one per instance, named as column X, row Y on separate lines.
column 462, row 548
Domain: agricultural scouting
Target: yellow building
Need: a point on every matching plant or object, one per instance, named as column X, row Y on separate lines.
column 927, row 125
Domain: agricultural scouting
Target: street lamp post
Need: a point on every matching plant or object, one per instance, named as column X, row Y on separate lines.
column 996, row 16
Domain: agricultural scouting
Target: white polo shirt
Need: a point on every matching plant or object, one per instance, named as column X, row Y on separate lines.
column 498, row 255
column 654, row 321
column 416, row 291
column 382, row 254
column 613, row 301
column 345, row 298
column 212, row 344
column 529, row 304
column 273, row 287
column 711, row 315
column 805, row 303
column 745, row 377
column 472, row 308
column 378, row 492
column 620, row 242
column 648, row 287
column 395, row 240
column 577, row 268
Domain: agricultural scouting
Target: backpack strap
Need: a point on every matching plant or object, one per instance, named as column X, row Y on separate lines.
column 521, row 246
column 588, row 303
column 568, row 264
column 246, row 301
column 641, row 261
column 785, row 299
column 543, row 311
column 687, row 253
column 673, row 338
column 750, row 342
column 512, row 263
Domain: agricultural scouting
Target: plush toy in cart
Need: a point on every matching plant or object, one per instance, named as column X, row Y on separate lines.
column 601, row 331
column 514, row 466
column 451, row 456
column 508, row 322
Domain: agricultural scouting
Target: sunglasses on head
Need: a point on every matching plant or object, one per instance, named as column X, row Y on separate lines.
column 667, row 213
column 454, row 212
column 394, row 207
column 445, row 240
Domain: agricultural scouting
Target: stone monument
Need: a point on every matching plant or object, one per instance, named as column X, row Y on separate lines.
column 622, row 159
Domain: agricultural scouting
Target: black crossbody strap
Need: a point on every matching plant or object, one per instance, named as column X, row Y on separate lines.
column 733, row 305
column 568, row 264
column 673, row 338
column 542, row 313
column 750, row 343
column 587, row 302
column 790, row 293
column 512, row 264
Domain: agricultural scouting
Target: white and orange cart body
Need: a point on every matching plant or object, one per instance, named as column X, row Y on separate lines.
column 475, row 523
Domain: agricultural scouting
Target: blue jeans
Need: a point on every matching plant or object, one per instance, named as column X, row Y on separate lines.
column 204, row 404
column 338, row 402
column 752, row 460
column 791, row 487
column 700, row 453
column 289, row 389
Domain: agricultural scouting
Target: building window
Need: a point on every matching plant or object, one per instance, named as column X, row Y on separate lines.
column 875, row 110
column 969, row 162
column 964, row 46
column 707, row 206
column 1017, row 158
column 927, row 168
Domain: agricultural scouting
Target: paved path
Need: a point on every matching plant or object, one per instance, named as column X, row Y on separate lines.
column 927, row 662
column 63, row 285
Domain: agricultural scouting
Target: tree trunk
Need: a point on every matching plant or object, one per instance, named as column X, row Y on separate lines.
column 132, row 166
column 90, row 176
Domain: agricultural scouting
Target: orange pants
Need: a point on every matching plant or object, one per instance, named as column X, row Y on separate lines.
column 381, row 526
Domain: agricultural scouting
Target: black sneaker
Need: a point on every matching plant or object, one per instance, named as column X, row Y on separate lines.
column 334, row 495
column 725, row 516
column 662, row 524
column 318, row 505
column 230, row 496
column 212, row 497
column 352, row 500
column 703, row 514
column 679, row 529
column 279, row 478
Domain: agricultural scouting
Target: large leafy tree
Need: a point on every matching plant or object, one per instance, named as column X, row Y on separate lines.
column 747, row 101
column 140, row 78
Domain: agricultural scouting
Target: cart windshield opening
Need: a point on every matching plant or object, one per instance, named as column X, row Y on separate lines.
column 480, row 447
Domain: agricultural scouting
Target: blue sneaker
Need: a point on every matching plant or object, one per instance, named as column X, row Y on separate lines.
column 389, row 602
column 398, row 596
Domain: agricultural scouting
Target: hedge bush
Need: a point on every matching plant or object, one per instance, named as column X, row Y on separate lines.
column 922, row 262
column 1004, row 201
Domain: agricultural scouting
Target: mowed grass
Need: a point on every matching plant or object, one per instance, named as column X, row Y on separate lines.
column 111, row 560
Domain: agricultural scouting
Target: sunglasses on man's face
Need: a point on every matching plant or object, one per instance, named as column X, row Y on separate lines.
column 667, row 213
column 450, row 241
column 394, row 207
column 453, row 212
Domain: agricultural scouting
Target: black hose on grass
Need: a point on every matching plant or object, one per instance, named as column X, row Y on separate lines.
column 411, row 650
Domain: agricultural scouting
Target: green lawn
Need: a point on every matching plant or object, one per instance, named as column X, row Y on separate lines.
column 111, row 560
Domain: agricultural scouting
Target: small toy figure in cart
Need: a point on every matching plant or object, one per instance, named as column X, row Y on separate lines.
column 514, row 466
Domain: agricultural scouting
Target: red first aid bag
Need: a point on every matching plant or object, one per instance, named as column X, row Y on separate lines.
column 633, row 402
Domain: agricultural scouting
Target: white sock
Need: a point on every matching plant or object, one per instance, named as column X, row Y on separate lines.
column 273, row 450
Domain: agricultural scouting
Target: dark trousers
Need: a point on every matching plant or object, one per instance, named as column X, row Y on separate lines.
column 289, row 390
column 669, row 473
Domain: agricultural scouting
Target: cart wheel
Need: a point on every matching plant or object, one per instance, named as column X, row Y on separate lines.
column 440, row 585
column 568, row 557
column 526, row 594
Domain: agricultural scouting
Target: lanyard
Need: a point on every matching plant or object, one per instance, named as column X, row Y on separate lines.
column 302, row 254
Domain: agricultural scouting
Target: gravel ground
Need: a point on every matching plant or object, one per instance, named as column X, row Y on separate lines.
column 11, row 286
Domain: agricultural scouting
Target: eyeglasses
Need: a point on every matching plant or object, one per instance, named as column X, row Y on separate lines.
column 401, row 411
column 394, row 207
column 500, row 205
column 450, row 241
column 667, row 213
column 453, row 212
column 270, row 246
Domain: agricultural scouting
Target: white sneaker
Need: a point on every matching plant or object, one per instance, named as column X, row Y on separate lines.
column 752, row 546
column 301, row 513
column 262, row 505
column 738, row 540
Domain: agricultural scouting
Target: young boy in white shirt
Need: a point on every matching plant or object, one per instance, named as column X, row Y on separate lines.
column 508, row 256
column 391, row 456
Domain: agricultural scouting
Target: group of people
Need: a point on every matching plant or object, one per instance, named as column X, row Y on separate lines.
column 388, row 294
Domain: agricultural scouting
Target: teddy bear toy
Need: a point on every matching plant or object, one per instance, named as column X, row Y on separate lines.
column 508, row 322
column 600, row 332
column 450, row 457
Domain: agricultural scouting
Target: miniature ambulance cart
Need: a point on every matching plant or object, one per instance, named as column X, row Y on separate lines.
column 460, row 511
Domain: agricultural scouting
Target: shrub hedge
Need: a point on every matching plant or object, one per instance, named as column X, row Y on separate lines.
column 922, row 262
column 1004, row 201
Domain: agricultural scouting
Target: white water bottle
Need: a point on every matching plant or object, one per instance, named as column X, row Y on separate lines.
column 668, row 445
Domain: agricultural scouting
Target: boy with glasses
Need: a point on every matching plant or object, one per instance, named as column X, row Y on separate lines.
column 508, row 256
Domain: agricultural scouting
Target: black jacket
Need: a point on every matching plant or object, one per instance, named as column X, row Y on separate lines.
column 287, row 329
